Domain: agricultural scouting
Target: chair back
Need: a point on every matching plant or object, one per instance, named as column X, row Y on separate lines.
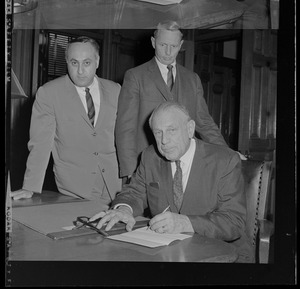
column 256, row 177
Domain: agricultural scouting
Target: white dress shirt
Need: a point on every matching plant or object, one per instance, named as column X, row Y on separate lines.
column 186, row 163
column 164, row 70
column 95, row 93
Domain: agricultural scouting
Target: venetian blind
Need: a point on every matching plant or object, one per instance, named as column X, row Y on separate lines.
column 56, row 54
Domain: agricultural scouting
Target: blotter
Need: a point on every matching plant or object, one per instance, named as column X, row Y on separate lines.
column 148, row 238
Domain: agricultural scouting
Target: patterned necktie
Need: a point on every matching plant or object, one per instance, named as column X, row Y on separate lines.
column 90, row 105
column 177, row 186
column 170, row 80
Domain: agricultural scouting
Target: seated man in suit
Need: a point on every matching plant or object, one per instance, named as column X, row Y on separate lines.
column 204, row 190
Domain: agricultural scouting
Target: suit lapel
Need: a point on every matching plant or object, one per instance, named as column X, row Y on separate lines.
column 104, row 93
column 75, row 100
column 198, row 165
column 155, row 75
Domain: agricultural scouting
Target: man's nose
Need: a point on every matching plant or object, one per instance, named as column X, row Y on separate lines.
column 168, row 50
column 164, row 138
column 80, row 69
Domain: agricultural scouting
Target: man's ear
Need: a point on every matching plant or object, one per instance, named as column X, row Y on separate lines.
column 98, row 61
column 191, row 128
column 153, row 42
column 181, row 42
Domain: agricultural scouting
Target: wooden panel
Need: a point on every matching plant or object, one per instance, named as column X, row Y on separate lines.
column 219, row 75
column 257, row 133
column 123, row 56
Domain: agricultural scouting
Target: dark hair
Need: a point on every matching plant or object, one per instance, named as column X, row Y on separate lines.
column 83, row 39
column 168, row 25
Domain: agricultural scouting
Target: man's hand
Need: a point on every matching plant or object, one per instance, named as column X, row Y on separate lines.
column 112, row 217
column 170, row 223
column 21, row 194
column 243, row 157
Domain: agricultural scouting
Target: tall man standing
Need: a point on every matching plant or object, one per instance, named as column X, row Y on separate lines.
column 146, row 86
column 73, row 117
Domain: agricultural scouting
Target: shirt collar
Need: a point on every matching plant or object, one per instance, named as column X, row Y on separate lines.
column 163, row 66
column 186, row 158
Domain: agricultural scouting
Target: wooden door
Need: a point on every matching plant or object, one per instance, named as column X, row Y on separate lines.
column 257, row 129
column 220, row 77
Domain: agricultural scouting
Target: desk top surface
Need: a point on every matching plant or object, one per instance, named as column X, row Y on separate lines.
column 27, row 244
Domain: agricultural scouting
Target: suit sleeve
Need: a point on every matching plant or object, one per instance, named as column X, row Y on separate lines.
column 42, row 129
column 227, row 220
column 205, row 124
column 126, row 125
column 135, row 193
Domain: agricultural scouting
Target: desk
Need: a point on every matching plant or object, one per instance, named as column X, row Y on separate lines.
column 30, row 245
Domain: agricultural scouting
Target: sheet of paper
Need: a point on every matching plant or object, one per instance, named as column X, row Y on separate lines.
column 162, row 2
column 148, row 238
column 55, row 217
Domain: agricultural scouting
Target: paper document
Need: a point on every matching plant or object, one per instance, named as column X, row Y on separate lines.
column 148, row 238
column 162, row 2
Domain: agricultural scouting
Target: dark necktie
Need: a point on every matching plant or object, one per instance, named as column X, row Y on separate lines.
column 177, row 186
column 170, row 80
column 90, row 105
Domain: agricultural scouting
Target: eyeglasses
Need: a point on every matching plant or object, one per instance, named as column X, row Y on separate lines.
column 83, row 221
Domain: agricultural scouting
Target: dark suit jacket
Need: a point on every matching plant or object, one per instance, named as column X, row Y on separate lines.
column 143, row 89
column 213, row 199
column 59, row 124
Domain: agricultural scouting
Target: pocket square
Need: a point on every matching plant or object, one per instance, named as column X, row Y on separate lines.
column 154, row 185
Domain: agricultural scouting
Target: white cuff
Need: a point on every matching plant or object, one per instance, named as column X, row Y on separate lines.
column 118, row 205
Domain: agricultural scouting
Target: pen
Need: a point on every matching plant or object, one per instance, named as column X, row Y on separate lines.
column 166, row 209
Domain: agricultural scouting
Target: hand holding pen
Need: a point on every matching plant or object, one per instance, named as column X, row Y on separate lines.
column 153, row 221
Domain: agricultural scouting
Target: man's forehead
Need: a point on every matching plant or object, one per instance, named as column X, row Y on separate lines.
column 166, row 119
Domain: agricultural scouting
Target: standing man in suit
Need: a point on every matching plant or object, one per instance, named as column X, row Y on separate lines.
column 146, row 86
column 206, row 199
column 73, row 117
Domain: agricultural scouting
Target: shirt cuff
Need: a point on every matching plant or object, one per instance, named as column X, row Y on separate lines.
column 118, row 205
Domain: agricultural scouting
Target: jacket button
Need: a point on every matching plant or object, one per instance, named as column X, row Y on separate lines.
column 103, row 170
column 95, row 153
column 94, row 134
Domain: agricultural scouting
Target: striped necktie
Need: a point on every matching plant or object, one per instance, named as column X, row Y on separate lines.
column 170, row 80
column 90, row 105
column 177, row 186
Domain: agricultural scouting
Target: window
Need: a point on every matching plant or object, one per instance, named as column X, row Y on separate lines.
column 56, row 54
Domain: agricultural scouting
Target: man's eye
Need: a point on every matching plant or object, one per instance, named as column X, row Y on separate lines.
column 73, row 63
column 87, row 63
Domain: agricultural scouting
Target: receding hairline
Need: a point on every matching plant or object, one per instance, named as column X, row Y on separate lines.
column 83, row 40
column 168, row 25
column 169, row 106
